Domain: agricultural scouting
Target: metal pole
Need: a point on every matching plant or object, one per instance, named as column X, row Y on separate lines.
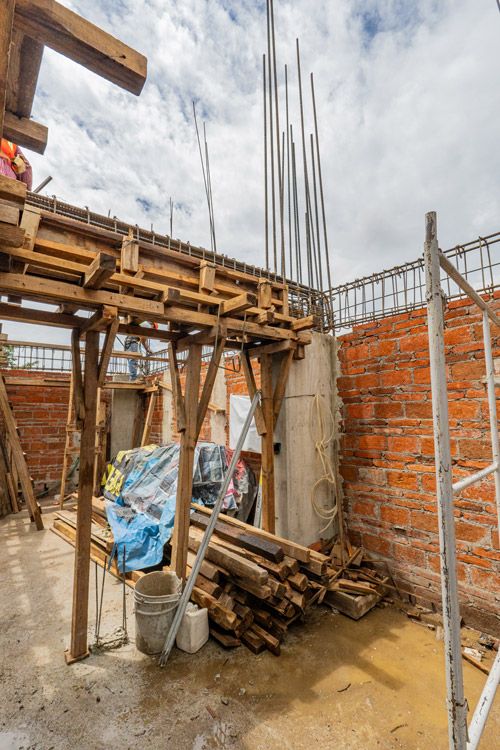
column 271, row 138
column 457, row 714
column 483, row 707
column 200, row 555
column 490, row 380
column 266, row 214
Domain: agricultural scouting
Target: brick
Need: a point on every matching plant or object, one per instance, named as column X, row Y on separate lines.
column 487, row 580
column 395, row 516
column 469, row 532
column 380, row 349
column 371, row 475
column 404, row 480
column 367, row 380
column 403, row 444
column 372, row 442
column 396, row 377
column 414, row 343
column 377, row 544
column 388, row 410
column 407, row 553
column 422, row 375
column 364, row 508
column 359, row 411
column 357, row 353
column 474, row 370
column 463, row 410
column 424, row 521
column 419, row 410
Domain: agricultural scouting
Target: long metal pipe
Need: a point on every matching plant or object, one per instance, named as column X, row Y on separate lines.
column 464, row 285
column 320, row 177
column 288, row 170
column 457, row 712
column 306, row 179
column 200, row 555
column 478, row 721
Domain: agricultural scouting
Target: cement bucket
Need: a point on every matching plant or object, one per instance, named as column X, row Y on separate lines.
column 156, row 596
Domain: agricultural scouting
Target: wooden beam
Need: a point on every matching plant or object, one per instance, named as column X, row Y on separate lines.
column 12, row 191
column 18, row 456
column 149, row 419
column 100, row 320
column 180, row 413
column 107, row 351
column 7, row 16
column 30, row 221
column 246, row 364
column 129, row 256
column 273, row 348
column 180, row 534
column 11, row 236
column 268, row 503
column 207, row 276
column 279, row 389
column 78, row 648
column 301, row 324
column 52, row 24
column 24, row 66
column 213, row 369
column 238, row 304
column 99, row 271
column 78, row 396
column 38, row 317
column 25, row 132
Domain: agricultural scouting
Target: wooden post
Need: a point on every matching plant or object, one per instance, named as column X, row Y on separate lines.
column 267, row 439
column 67, row 442
column 149, row 419
column 78, row 648
column 186, row 459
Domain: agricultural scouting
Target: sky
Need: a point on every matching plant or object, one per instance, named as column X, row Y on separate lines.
column 408, row 102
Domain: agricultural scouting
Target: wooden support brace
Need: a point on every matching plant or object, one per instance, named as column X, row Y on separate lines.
column 279, row 389
column 129, row 256
column 180, row 534
column 107, row 350
column 180, row 413
column 208, row 385
column 268, row 504
column 78, row 648
column 246, row 364
column 78, row 400
column 18, row 456
column 238, row 304
column 207, row 276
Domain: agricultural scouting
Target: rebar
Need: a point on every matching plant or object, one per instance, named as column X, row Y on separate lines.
column 276, row 107
column 266, row 200
column 271, row 140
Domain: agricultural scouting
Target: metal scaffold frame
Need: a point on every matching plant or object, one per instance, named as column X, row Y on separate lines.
column 461, row 737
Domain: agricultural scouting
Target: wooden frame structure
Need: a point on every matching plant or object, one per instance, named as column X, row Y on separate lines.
column 50, row 259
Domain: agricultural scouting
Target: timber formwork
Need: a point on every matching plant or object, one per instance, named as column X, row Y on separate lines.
column 123, row 281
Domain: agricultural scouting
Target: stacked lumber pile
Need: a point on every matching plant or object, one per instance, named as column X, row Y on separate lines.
column 253, row 583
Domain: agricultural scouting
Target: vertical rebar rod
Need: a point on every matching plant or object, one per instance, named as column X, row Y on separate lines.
column 457, row 712
column 277, row 115
column 271, row 137
column 296, row 212
column 315, row 193
column 209, row 185
column 204, row 174
column 288, row 171
column 266, row 201
column 320, row 178
column 304, row 158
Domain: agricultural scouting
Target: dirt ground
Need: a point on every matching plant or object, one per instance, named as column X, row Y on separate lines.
column 377, row 683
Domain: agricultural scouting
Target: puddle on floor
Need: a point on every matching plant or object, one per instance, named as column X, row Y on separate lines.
column 221, row 737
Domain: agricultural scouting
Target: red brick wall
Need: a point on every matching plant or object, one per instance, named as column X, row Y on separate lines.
column 40, row 415
column 387, row 458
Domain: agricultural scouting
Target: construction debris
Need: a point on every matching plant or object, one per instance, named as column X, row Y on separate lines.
column 253, row 583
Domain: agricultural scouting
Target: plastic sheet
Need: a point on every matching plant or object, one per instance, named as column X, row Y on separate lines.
column 142, row 483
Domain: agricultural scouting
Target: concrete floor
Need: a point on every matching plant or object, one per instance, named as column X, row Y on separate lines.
column 378, row 683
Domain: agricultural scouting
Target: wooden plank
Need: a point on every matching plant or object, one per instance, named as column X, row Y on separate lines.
column 50, row 23
column 78, row 398
column 30, row 221
column 18, row 456
column 246, row 364
column 238, row 304
column 275, row 348
column 37, row 317
column 207, row 276
column 253, row 642
column 180, row 412
column 186, row 458
column 208, row 570
column 66, row 443
column 292, row 549
column 25, row 132
column 279, row 388
column 213, row 369
column 107, row 351
column 226, row 639
column 271, row 642
column 149, row 419
column 268, row 501
column 78, row 647
column 11, row 236
column 12, row 492
column 129, row 255
column 7, row 16
column 301, row 324
column 231, row 561
column 265, row 294
column 252, row 543
column 99, row 271
column 217, row 612
column 12, row 192
column 136, row 429
column 24, row 65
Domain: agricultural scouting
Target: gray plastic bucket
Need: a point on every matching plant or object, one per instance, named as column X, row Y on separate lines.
column 156, row 596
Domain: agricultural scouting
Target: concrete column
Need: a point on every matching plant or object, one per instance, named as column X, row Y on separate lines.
column 296, row 465
column 218, row 420
column 167, row 431
column 123, row 409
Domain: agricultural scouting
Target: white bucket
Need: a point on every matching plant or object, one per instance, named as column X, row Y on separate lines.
column 156, row 596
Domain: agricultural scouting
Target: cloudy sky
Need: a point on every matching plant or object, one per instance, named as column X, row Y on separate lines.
column 408, row 100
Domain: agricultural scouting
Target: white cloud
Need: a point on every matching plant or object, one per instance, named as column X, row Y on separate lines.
column 408, row 107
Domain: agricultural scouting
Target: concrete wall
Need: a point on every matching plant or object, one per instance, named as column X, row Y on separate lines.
column 296, row 466
column 123, row 410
